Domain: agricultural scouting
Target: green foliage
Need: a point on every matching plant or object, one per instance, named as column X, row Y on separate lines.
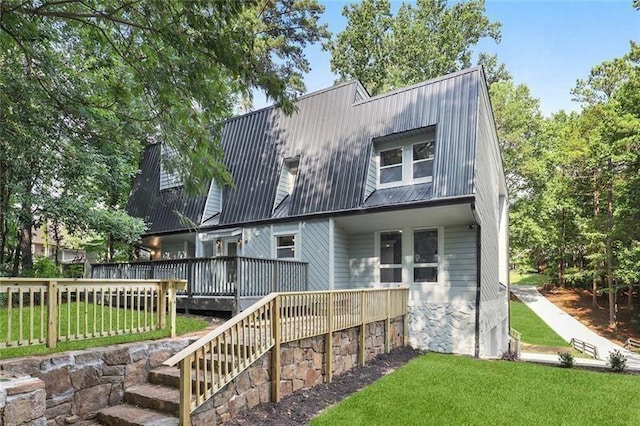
column 45, row 267
column 452, row 390
column 566, row 359
column 616, row 361
column 85, row 85
column 528, row 279
column 421, row 41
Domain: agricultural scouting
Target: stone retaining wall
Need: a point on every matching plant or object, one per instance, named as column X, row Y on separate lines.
column 75, row 385
column 302, row 366
column 71, row 387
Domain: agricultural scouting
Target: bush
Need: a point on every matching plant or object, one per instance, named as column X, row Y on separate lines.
column 616, row 361
column 566, row 359
column 509, row 355
column 45, row 267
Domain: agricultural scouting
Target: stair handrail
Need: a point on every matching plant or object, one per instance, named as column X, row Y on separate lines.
column 222, row 354
column 202, row 341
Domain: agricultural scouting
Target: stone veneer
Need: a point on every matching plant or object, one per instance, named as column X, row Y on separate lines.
column 302, row 365
column 75, row 385
column 71, row 387
column 442, row 327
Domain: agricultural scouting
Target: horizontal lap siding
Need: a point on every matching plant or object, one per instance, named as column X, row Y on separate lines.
column 460, row 257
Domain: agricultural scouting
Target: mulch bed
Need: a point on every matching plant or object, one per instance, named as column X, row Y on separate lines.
column 301, row 406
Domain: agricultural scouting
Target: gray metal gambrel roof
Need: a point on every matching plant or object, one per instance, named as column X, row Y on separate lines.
column 333, row 132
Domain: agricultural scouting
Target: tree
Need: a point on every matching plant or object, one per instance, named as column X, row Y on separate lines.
column 87, row 84
column 420, row 42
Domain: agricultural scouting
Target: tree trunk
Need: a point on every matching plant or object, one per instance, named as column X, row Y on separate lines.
column 562, row 260
column 57, row 238
column 25, row 248
column 609, row 256
column 16, row 256
column 110, row 250
column 596, row 213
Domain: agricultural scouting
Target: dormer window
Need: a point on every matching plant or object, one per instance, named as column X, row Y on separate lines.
column 287, row 179
column 405, row 162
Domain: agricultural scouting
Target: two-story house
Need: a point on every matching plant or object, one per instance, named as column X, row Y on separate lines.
column 403, row 188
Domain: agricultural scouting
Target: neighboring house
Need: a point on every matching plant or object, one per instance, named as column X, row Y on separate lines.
column 44, row 245
column 404, row 188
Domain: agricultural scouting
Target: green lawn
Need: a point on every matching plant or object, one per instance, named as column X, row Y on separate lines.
column 69, row 314
column 528, row 279
column 534, row 331
column 437, row 389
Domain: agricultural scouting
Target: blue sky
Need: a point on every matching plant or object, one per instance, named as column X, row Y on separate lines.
column 546, row 45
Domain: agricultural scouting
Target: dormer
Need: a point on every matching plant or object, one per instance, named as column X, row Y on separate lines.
column 168, row 180
column 287, row 181
column 405, row 158
column 213, row 206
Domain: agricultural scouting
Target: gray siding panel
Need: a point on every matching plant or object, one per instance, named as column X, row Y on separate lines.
column 214, row 202
column 341, row 269
column 362, row 260
column 258, row 242
column 487, row 187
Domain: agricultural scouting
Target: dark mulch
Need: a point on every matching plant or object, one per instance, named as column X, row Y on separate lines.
column 300, row 407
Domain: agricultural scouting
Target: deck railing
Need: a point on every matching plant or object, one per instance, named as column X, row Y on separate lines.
column 216, row 276
column 36, row 311
column 214, row 360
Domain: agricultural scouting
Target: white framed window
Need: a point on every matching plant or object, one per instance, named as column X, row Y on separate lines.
column 286, row 246
column 390, row 256
column 426, row 256
column 406, row 163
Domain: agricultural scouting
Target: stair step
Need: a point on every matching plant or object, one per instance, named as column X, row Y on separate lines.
column 128, row 415
column 170, row 376
column 155, row 397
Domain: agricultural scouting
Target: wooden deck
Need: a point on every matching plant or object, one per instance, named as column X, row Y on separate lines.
column 228, row 283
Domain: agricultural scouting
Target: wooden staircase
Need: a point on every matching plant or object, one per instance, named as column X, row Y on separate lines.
column 157, row 403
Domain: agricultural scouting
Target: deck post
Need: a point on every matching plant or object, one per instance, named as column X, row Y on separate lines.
column 162, row 304
column 363, row 318
column 275, row 351
column 328, row 349
column 172, row 307
column 52, row 314
column 387, row 323
column 185, row 391
column 405, row 319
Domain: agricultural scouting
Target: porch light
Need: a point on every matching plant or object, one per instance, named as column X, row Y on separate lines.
column 239, row 242
column 218, row 244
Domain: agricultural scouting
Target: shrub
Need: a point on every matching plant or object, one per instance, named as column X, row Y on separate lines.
column 509, row 355
column 566, row 359
column 616, row 361
column 45, row 267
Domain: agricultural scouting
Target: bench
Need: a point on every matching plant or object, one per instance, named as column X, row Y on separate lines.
column 632, row 344
column 585, row 347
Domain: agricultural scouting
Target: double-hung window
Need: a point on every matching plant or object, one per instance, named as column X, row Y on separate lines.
column 286, row 246
column 406, row 163
column 391, row 257
column 425, row 252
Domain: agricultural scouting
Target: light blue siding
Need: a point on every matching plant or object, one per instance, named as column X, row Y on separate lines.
column 282, row 186
column 168, row 180
column 214, row 201
column 258, row 242
column 362, row 260
column 341, row 271
column 314, row 249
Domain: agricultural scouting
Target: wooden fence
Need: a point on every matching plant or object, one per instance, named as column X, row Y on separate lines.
column 237, row 276
column 214, row 360
column 36, row 311
column 585, row 347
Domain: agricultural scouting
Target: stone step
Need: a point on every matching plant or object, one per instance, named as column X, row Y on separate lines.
column 156, row 397
column 128, row 415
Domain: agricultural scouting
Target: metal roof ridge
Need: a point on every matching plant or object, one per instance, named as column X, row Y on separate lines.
column 305, row 96
column 423, row 83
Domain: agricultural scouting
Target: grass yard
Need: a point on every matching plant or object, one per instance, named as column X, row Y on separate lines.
column 103, row 317
column 439, row 389
column 534, row 331
column 516, row 278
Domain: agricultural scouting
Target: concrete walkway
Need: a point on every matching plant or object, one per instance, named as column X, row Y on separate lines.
column 568, row 327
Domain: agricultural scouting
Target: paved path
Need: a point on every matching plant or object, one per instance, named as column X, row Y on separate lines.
column 566, row 326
